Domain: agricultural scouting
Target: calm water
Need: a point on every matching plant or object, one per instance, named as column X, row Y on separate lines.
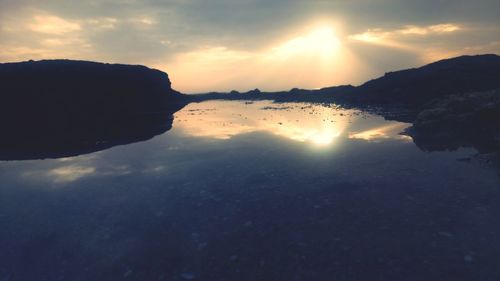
column 254, row 191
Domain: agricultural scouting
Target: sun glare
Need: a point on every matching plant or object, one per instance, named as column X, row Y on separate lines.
column 324, row 138
column 308, row 57
column 321, row 41
column 322, row 126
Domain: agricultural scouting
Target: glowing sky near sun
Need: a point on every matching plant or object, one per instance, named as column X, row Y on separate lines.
column 222, row 45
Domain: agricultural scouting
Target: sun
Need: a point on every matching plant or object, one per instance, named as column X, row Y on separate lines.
column 321, row 41
column 324, row 37
column 312, row 55
column 325, row 137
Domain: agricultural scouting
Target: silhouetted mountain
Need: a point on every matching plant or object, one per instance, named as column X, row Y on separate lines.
column 61, row 107
column 415, row 87
column 453, row 102
column 58, row 108
column 410, row 89
column 294, row 95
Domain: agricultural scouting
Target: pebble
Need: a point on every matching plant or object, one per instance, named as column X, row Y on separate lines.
column 188, row 276
column 445, row 234
column 127, row 274
column 6, row 278
column 468, row 258
column 202, row 246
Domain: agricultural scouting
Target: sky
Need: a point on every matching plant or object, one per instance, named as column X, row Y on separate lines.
column 221, row 45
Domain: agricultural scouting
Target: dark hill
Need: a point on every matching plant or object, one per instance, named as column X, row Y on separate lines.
column 409, row 89
column 58, row 105
column 85, row 86
column 57, row 108
column 418, row 86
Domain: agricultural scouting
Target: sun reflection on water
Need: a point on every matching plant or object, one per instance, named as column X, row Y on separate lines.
column 320, row 125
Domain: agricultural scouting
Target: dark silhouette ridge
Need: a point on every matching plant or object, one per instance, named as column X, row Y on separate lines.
column 416, row 87
column 453, row 102
column 58, row 108
column 398, row 95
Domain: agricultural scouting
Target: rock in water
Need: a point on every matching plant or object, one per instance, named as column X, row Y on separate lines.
column 188, row 276
column 471, row 119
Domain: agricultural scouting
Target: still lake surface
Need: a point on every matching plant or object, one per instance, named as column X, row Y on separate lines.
column 254, row 191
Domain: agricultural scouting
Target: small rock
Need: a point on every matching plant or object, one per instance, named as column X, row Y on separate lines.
column 497, row 138
column 445, row 234
column 188, row 276
column 6, row 277
column 127, row 274
column 195, row 236
column 202, row 246
column 468, row 258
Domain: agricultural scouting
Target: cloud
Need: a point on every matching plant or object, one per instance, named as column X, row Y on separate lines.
column 144, row 21
column 443, row 28
column 317, row 58
column 49, row 36
column 103, row 23
column 427, row 43
column 391, row 37
column 53, row 25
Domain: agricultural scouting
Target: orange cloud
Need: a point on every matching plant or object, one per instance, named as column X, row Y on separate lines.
column 392, row 38
column 53, row 25
column 314, row 59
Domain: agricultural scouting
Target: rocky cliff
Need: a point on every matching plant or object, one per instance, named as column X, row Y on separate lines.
column 57, row 108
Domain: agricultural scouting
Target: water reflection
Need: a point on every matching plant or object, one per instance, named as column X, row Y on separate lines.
column 81, row 136
column 392, row 130
column 224, row 196
column 70, row 173
column 316, row 124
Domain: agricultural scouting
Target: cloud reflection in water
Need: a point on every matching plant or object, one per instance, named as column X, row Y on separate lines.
column 70, row 173
column 390, row 131
column 316, row 124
